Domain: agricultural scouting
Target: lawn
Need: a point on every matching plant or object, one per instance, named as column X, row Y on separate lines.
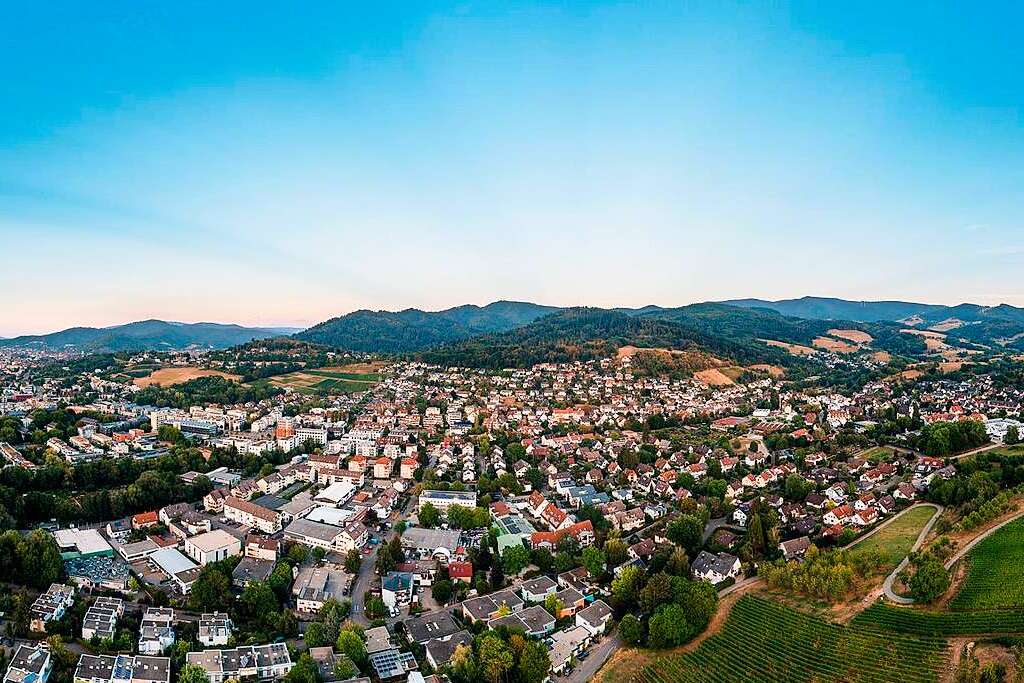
column 995, row 572
column 874, row 455
column 895, row 539
column 765, row 641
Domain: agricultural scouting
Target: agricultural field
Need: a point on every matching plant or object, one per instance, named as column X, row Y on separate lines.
column 766, row 641
column 913, row 621
column 345, row 379
column 895, row 539
column 995, row 572
column 169, row 376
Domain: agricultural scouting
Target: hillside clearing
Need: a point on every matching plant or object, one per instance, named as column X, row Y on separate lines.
column 794, row 349
column 834, row 345
column 856, row 336
column 167, row 377
column 947, row 325
column 713, row 377
column 342, row 379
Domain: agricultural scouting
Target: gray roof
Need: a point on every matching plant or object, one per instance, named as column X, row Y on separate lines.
column 431, row 539
column 441, row 651
column 430, row 626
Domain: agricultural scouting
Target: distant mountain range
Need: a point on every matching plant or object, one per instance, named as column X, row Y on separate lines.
column 158, row 335
column 515, row 333
column 820, row 308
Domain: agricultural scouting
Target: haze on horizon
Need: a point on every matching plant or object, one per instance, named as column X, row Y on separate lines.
column 247, row 163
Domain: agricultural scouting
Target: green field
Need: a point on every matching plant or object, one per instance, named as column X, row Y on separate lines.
column 995, row 572
column 766, row 641
column 873, row 455
column 912, row 621
column 354, row 376
column 895, row 539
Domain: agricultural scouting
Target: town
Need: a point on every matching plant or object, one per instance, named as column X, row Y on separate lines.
column 438, row 523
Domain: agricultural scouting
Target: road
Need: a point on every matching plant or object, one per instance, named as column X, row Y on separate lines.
column 586, row 669
column 367, row 570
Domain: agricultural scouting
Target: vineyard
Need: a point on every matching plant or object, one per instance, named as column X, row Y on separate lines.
column 910, row 621
column 764, row 641
column 995, row 577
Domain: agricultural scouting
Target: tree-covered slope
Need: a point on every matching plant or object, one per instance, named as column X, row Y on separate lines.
column 146, row 335
column 414, row 330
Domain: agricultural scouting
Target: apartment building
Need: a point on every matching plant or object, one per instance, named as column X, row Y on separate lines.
column 252, row 515
column 252, row 662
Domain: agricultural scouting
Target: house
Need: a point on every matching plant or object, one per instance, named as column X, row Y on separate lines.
column 122, row 669
column 144, row 520
column 439, row 652
column 156, row 631
column 487, row 607
column 715, row 568
column 252, row 515
column 795, row 548
column 396, row 589
column 440, row 544
column 534, row 621
column 594, row 617
column 260, row 548
column 536, row 590
column 262, row 663
column 566, row 645
column 31, row 664
column 51, row 606
column 439, row 625
column 391, row 664
column 838, row 515
column 250, row 570
column 316, row 585
column 215, row 629
column 100, row 620
column 460, row 571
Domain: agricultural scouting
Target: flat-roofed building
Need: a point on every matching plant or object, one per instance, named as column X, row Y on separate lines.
column 213, row 546
column 215, row 629
column 122, row 669
column 442, row 500
column 156, row 632
column 252, row 662
column 31, row 664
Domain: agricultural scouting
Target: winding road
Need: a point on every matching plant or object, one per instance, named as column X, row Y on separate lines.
column 887, row 584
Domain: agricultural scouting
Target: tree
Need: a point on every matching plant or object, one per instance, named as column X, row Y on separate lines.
column 668, row 627
column 615, row 551
column 515, row 559
column 304, row 671
column 532, row 661
column 930, row 581
column 353, row 561
column 626, row 586
column 631, row 630
column 317, row 635
column 797, row 488
column 553, row 604
column 495, row 657
column 429, row 516
column 442, row 591
column 594, row 561
column 1012, row 436
column 686, row 531
column 678, row 564
column 211, row 591
column 375, row 608
column 351, row 645
column 657, row 591
column 193, row 673
column 298, row 553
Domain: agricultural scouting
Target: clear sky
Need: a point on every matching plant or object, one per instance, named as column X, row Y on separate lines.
column 281, row 163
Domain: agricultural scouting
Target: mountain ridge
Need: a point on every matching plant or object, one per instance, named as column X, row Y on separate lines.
column 144, row 335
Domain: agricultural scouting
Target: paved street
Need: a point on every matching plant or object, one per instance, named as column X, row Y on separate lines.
column 586, row 669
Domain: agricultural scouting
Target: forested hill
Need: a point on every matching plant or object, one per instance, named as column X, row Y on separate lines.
column 1001, row 325
column 158, row 335
column 727, row 332
column 415, row 330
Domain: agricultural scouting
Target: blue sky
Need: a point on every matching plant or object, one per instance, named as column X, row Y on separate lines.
column 253, row 163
